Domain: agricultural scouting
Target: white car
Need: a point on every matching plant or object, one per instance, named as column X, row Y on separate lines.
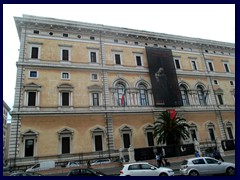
column 72, row 164
column 101, row 161
column 206, row 166
column 144, row 169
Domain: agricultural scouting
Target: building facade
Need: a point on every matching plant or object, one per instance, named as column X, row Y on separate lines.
column 89, row 88
column 6, row 110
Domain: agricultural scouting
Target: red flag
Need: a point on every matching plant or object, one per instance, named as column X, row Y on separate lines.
column 172, row 113
column 122, row 99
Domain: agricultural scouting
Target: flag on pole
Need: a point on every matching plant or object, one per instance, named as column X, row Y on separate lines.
column 123, row 98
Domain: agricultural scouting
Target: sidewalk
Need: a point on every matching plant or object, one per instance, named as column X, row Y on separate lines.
column 175, row 162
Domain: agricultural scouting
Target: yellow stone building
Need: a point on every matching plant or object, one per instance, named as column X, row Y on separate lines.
column 87, row 88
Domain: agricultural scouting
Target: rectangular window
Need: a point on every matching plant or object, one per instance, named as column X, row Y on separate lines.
column 92, row 37
column 29, row 147
column 65, row 145
column 34, row 54
column 32, row 98
column 139, row 60
column 230, row 134
column 65, row 99
column 150, row 139
column 136, row 43
column 220, row 100
column 98, row 143
column 93, row 56
column 211, row 133
column 210, row 66
column 232, row 83
column 35, row 31
column 215, row 82
column 226, row 67
column 126, row 140
column 194, row 65
column 193, row 134
column 65, row 55
column 33, row 74
column 65, row 75
column 95, row 99
column 177, row 63
column 94, row 76
column 117, row 59
column 65, row 35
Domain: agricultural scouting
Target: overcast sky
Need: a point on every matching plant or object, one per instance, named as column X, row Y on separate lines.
column 214, row 22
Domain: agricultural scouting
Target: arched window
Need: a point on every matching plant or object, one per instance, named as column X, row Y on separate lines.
column 121, row 94
column 184, row 94
column 201, row 95
column 143, row 98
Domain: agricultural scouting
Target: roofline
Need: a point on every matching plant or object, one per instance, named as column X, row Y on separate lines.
column 121, row 30
column 6, row 106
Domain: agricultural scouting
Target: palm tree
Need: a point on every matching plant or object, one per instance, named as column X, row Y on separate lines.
column 170, row 129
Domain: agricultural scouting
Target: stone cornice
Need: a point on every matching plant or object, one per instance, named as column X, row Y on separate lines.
column 52, row 23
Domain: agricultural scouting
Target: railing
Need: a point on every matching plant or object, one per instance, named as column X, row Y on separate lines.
column 26, row 162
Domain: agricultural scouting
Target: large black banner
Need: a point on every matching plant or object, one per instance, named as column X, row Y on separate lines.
column 163, row 76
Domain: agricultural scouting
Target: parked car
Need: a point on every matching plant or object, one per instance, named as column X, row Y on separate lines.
column 43, row 165
column 206, row 166
column 72, row 164
column 101, row 161
column 85, row 172
column 145, row 169
column 26, row 174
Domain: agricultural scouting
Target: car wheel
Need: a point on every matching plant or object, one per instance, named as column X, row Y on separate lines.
column 193, row 173
column 230, row 171
column 163, row 174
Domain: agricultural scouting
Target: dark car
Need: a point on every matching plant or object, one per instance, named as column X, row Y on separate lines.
column 85, row 172
column 26, row 174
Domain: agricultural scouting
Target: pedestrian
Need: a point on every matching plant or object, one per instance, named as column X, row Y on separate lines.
column 217, row 155
column 158, row 160
column 88, row 164
column 161, row 159
column 197, row 154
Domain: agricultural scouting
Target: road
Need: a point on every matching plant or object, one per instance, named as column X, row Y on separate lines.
column 174, row 165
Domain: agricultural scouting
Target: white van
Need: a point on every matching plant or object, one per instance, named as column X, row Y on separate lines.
column 41, row 166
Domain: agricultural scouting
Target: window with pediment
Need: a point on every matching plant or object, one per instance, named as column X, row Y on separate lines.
column 65, row 140
column 29, row 141
column 98, row 135
column 32, row 94
column 126, row 136
column 148, row 131
column 65, row 95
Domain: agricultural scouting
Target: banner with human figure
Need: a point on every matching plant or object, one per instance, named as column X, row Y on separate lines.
column 163, row 76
